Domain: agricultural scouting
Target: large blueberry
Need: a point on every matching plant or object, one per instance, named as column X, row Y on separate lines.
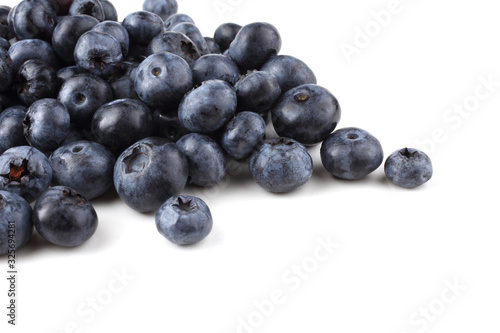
column 85, row 166
column 243, row 134
column 142, row 26
column 208, row 106
column 122, row 122
column 35, row 80
column 149, row 172
column 64, row 217
column 254, row 44
column 26, row 171
column 82, row 95
column 215, row 67
column 16, row 225
column 257, row 91
column 351, row 153
column 11, row 127
column 207, row 164
column 184, row 220
column 290, row 71
column 162, row 79
column 281, row 165
column 46, row 124
column 307, row 113
column 408, row 167
column 34, row 19
column 98, row 52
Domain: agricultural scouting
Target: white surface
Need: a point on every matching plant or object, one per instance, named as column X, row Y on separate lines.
column 399, row 249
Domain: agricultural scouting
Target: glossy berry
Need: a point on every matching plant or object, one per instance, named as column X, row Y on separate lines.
column 85, row 166
column 142, row 26
column 254, row 44
column 290, row 71
column 64, row 217
column 351, row 153
column 46, row 124
column 408, row 167
column 243, row 134
column 184, row 220
column 225, row 34
column 26, row 49
column 34, row 19
column 11, row 127
column 116, row 30
column 175, row 19
column 26, row 171
column 257, row 91
column 15, row 218
column 194, row 33
column 281, row 165
column 98, row 52
column 307, row 113
column 176, row 43
column 149, row 172
column 162, row 8
column 208, row 107
column 207, row 164
column 87, row 7
column 35, row 80
column 215, row 67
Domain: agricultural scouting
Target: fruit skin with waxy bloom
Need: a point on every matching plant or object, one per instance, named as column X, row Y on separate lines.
column 14, row 210
column 149, row 172
column 64, row 217
column 26, row 171
column 408, row 167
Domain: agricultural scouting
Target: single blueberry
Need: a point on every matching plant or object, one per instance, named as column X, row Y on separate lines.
column 64, row 217
column 207, row 164
column 290, row 71
column 35, row 80
column 184, row 220
column 16, row 224
column 175, row 19
column 213, row 47
column 215, row 67
column 85, row 166
column 11, row 127
column 110, row 13
column 208, row 106
column 116, row 30
column 176, row 43
column 162, row 8
column 257, row 91
column 149, row 172
column 34, row 19
column 87, row 7
column 26, row 171
column 307, row 113
column 194, row 33
column 254, row 44
column 46, row 124
column 408, row 167
column 225, row 34
column 281, row 165
column 142, row 26
column 351, row 153
column 243, row 134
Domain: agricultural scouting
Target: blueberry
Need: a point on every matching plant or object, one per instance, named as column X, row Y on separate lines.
column 14, row 210
column 175, row 19
column 11, row 127
column 6, row 70
column 149, row 172
column 408, row 167
column 34, row 19
column 116, row 30
column 281, row 165
column 85, row 166
column 4, row 43
column 24, row 170
column 35, row 80
column 176, row 43
column 225, row 34
column 257, row 91
column 162, row 8
column 98, row 52
column 215, row 67
column 254, row 44
column 46, row 124
column 5, row 30
column 142, row 26
column 120, row 123
column 243, row 134
column 109, row 10
column 184, row 220
column 67, row 32
column 66, row 72
column 194, row 33
column 351, row 153
column 207, row 164
column 208, row 107
column 82, row 95
column 166, row 124
column 27, row 49
column 290, row 71
column 163, row 79
column 307, row 113
column 87, row 7
column 64, row 217
column 213, row 47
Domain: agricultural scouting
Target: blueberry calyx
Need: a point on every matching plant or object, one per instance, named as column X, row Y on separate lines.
column 406, row 153
column 18, row 172
column 188, row 48
column 301, row 97
column 72, row 198
column 184, row 206
column 137, row 161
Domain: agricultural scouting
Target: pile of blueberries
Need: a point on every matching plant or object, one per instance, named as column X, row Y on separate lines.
column 148, row 105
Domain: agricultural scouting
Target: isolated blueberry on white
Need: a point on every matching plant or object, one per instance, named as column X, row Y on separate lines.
column 408, row 167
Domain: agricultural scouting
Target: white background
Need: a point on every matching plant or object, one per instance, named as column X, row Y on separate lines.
column 399, row 250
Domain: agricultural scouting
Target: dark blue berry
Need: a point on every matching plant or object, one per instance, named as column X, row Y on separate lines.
column 225, row 34
column 176, row 43
column 16, row 212
column 290, row 71
column 11, row 127
column 257, row 91
column 67, row 32
column 87, row 7
column 243, row 134
column 408, row 167
column 142, row 26
column 162, row 8
column 215, row 67
column 35, row 80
